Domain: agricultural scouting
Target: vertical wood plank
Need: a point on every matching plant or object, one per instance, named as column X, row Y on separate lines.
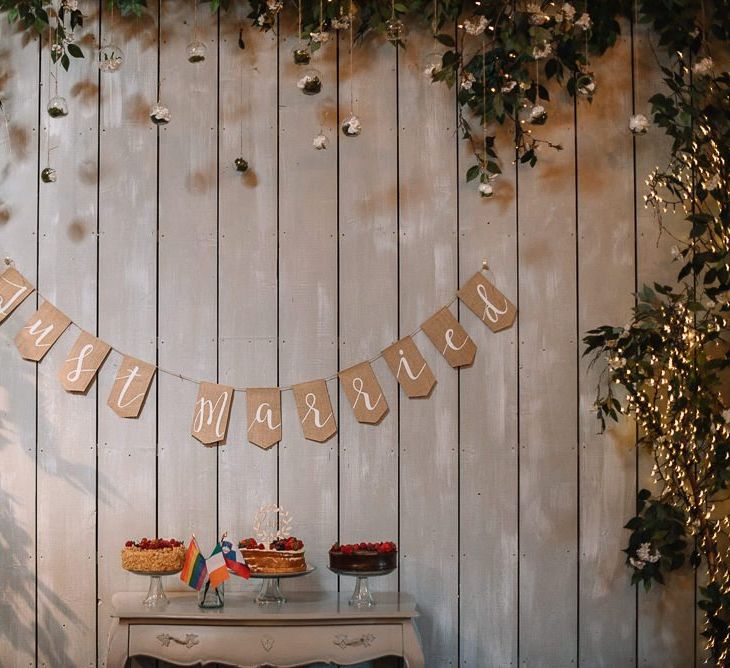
column 308, row 296
column 19, row 92
column 187, row 482
column 127, row 301
column 369, row 291
column 666, row 613
column 67, row 423
column 248, row 262
column 488, row 426
column 428, row 427
column 548, row 401
column 607, row 462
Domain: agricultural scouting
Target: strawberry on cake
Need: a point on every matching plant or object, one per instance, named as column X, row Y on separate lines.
column 285, row 555
column 364, row 557
column 159, row 555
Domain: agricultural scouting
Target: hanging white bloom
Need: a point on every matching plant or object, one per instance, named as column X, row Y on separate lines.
column 432, row 70
column 509, row 86
column 542, row 51
column 538, row 115
column 274, row 6
column 486, row 189
column 320, row 37
column 261, row 19
column 636, row 563
column 475, row 25
column 567, row 11
column 71, row 5
column 160, row 114
column 319, row 142
column 703, row 68
column 584, row 22
column 645, row 553
column 341, row 22
column 57, row 49
column 713, row 182
column 639, row 124
column 352, row 126
column 587, row 87
column 676, row 253
column 467, row 80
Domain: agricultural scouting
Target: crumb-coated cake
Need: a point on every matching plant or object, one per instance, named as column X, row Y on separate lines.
column 364, row 557
column 285, row 555
column 159, row 555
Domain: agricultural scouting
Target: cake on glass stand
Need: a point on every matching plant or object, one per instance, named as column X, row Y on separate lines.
column 154, row 559
column 363, row 561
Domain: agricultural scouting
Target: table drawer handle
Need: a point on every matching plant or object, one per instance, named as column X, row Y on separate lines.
column 191, row 639
column 343, row 641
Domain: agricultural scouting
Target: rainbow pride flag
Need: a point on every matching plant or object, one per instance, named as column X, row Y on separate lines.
column 194, row 572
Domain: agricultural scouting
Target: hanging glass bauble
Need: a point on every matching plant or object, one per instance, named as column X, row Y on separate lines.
column 310, row 83
column 241, row 165
column 196, row 51
column 352, row 127
column 160, row 114
column 57, row 107
column 301, row 56
column 111, row 58
column 395, row 30
column 48, row 175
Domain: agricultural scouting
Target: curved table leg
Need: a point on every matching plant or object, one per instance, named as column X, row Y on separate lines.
column 116, row 656
column 412, row 651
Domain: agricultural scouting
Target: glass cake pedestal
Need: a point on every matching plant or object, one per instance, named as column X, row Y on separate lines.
column 155, row 594
column 361, row 597
column 270, row 591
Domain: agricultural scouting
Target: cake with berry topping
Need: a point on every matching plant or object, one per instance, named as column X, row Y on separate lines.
column 159, row 555
column 285, row 555
column 273, row 550
column 364, row 557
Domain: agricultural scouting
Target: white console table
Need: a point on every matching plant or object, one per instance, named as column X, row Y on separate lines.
column 309, row 627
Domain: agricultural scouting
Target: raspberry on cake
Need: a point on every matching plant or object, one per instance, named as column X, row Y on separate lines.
column 159, row 555
column 285, row 555
column 364, row 557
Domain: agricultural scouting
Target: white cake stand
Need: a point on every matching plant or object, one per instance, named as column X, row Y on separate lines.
column 270, row 591
column 361, row 597
column 155, row 594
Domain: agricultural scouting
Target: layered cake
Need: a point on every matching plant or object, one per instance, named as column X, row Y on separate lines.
column 285, row 555
column 364, row 557
column 273, row 550
column 153, row 556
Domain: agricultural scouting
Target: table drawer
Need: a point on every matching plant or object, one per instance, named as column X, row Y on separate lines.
column 253, row 645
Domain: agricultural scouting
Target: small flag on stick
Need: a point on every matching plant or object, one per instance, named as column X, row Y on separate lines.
column 235, row 566
column 194, row 572
column 216, row 565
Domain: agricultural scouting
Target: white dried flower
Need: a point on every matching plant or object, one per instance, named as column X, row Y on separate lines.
column 475, row 25
column 587, row 88
column 341, row 22
column 712, row 183
column 703, row 68
column 261, row 19
column 319, row 142
column 160, row 114
column 320, row 37
column 57, row 48
column 509, row 86
column 567, row 11
column 486, row 189
column 542, row 51
column 645, row 554
column 274, row 6
column 639, row 124
column 352, row 126
column 584, row 22
column 71, row 5
column 636, row 563
column 467, row 80
column 432, row 70
column 538, row 114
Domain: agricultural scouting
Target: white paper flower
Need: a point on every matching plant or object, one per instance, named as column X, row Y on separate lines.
column 703, row 68
column 274, row 6
column 160, row 114
column 584, row 22
column 261, row 19
column 341, row 22
column 319, row 142
column 57, row 49
column 645, row 554
column 509, row 86
column 432, row 70
column 587, row 87
column 72, row 5
column 475, row 25
column 567, row 11
column 352, row 126
column 320, row 37
column 467, row 80
column 713, row 182
column 638, row 124
column 538, row 115
column 486, row 189
column 542, row 51
column 636, row 563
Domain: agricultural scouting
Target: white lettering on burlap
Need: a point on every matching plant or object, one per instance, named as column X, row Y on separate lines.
column 5, row 305
column 357, row 385
column 264, row 415
column 76, row 372
column 311, row 400
column 206, row 405
column 449, row 336
column 403, row 364
column 132, row 373
column 490, row 310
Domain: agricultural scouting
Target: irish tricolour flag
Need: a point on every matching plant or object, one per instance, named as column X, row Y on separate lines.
column 216, row 565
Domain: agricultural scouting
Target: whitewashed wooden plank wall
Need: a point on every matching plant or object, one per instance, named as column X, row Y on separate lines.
column 506, row 504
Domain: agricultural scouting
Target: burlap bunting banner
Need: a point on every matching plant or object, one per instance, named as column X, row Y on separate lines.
column 410, row 368
column 130, row 387
column 212, row 411
column 82, row 363
column 41, row 331
column 263, row 409
column 315, row 410
column 13, row 290
column 450, row 338
column 487, row 303
column 363, row 391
